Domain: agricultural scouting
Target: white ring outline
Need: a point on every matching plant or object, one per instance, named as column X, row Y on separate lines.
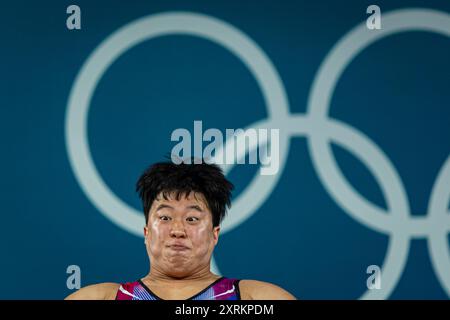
column 394, row 192
column 146, row 28
column 323, row 159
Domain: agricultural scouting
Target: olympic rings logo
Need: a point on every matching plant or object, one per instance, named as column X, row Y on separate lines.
column 316, row 126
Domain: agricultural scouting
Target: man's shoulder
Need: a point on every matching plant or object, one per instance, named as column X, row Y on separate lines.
column 260, row 290
column 99, row 291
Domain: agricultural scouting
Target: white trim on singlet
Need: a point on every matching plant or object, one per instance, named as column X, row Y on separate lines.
column 128, row 293
column 224, row 293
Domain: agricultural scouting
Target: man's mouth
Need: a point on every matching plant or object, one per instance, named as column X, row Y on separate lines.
column 178, row 247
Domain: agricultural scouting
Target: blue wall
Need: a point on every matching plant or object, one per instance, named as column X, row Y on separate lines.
column 395, row 93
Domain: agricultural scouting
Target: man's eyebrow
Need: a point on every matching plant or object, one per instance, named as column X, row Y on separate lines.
column 163, row 206
column 195, row 207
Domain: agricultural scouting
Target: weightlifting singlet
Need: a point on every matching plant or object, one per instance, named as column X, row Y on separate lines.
column 221, row 289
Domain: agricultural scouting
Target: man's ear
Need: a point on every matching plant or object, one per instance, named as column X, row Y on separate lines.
column 216, row 231
column 145, row 234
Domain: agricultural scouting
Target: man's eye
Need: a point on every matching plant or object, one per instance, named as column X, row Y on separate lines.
column 192, row 219
column 165, row 218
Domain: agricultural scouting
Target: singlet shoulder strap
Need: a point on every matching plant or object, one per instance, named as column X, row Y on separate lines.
column 221, row 289
column 133, row 291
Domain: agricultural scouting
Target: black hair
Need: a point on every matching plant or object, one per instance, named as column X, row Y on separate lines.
column 167, row 178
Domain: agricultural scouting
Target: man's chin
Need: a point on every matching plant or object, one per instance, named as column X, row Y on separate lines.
column 178, row 268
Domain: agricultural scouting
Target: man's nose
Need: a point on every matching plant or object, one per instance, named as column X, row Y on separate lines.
column 177, row 230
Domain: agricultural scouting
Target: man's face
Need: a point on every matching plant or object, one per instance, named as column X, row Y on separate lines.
column 179, row 235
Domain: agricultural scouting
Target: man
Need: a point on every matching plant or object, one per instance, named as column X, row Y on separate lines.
column 183, row 207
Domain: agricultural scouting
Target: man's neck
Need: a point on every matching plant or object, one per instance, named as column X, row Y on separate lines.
column 157, row 277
